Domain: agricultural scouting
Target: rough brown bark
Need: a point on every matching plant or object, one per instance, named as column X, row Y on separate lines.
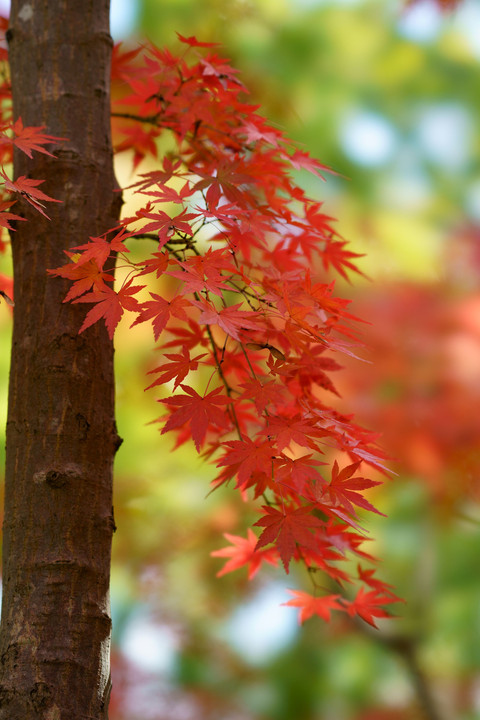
column 61, row 437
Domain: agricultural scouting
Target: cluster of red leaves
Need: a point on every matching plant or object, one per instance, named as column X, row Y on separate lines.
column 248, row 308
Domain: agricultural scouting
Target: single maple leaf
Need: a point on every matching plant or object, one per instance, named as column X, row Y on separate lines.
column 109, row 305
column 179, row 366
column 243, row 552
column 197, row 410
column 27, row 187
column 165, row 225
column 368, row 605
column 245, row 457
column 193, row 42
column 295, row 429
column 190, row 336
column 335, row 255
column 303, row 161
column 343, row 489
column 140, row 141
column 310, row 605
column 286, row 528
column 229, row 319
column 6, row 217
column 86, row 276
column 27, row 139
column 298, row 472
column 262, row 395
column 160, row 310
column 367, row 576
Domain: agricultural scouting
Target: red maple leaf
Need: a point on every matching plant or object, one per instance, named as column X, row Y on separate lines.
column 159, row 311
column 165, row 225
column 179, row 366
column 87, row 275
column 100, row 248
column 245, row 457
column 262, row 394
column 310, row 605
column 193, row 42
column 27, row 187
column 368, row 605
column 140, row 141
column 204, row 273
column 243, row 552
column 32, row 138
column 110, row 305
column 343, row 489
column 199, row 411
column 229, row 319
column 287, row 528
column 6, row 217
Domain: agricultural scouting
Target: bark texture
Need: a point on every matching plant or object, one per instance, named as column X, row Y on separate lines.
column 61, row 436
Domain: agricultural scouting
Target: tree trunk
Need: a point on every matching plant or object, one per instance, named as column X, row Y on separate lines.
column 61, row 436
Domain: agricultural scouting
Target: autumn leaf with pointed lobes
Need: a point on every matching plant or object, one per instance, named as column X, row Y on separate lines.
column 303, row 161
column 179, row 366
column 230, row 319
column 262, row 395
column 367, row 576
column 141, row 142
column 242, row 552
column 368, row 605
column 28, row 139
column 245, row 457
column 310, row 605
column 167, row 194
column 85, row 276
column 157, row 263
column 197, row 410
column 335, row 255
column 27, row 187
column 200, row 273
column 99, row 248
column 156, row 178
column 160, row 310
column 164, row 224
column 110, row 305
column 122, row 61
column 228, row 181
column 190, row 335
column 287, row 430
column 343, row 490
column 297, row 473
column 6, row 217
column 287, row 528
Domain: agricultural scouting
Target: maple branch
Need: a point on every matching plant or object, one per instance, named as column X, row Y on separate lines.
column 406, row 647
column 150, row 119
column 228, row 388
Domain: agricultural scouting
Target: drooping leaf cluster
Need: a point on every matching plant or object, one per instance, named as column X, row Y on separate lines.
column 238, row 290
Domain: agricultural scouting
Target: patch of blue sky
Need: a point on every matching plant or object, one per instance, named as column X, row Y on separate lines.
column 445, row 135
column 367, row 138
column 422, row 22
column 262, row 627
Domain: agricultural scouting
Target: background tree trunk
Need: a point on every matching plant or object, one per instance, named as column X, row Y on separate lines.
column 61, row 437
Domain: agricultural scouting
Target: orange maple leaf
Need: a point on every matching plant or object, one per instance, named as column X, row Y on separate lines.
column 243, row 552
column 310, row 605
